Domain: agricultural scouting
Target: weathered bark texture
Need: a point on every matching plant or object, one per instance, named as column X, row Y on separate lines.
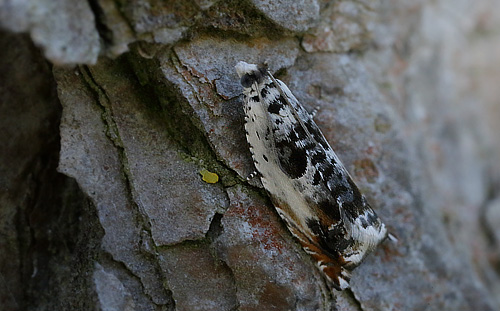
column 109, row 110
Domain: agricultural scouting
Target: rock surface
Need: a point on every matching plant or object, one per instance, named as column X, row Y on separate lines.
column 100, row 186
column 48, row 22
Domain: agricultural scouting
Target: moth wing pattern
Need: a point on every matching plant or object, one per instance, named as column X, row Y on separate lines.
column 308, row 185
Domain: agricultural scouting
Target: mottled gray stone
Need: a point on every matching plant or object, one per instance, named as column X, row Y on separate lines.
column 119, row 33
column 198, row 281
column 208, row 63
column 48, row 22
column 344, row 26
column 293, row 15
column 113, row 295
column 160, row 21
column 117, row 289
column 269, row 270
column 90, row 157
column 168, row 190
column 446, row 120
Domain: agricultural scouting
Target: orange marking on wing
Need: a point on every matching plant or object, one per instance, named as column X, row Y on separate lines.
column 331, row 266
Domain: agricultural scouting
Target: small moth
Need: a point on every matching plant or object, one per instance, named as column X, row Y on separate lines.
column 308, row 185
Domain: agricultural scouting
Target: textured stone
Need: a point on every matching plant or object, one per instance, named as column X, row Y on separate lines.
column 113, row 295
column 197, row 280
column 344, row 26
column 209, row 59
column 269, row 270
column 118, row 32
column 167, row 189
column 48, row 22
column 159, row 21
column 447, row 117
column 293, row 15
column 90, row 157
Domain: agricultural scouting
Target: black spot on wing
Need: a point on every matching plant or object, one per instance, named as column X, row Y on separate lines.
column 357, row 196
column 265, row 158
column 299, row 133
column 280, row 103
column 333, row 240
column 355, row 204
column 269, row 85
column 267, row 136
column 318, row 158
column 336, row 239
column 321, row 232
column 330, row 208
column 340, row 191
column 264, row 92
column 315, row 226
column 316, row 178
column 255, row 98
column 350, row 210
column 275, row 107
column 316, row 134
column 310, row 146
column 328, row 171
column 293, row 159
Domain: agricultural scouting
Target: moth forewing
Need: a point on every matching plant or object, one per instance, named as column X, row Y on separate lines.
column 309, row 187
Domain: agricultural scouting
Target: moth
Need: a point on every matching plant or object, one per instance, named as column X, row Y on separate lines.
column 308, row 185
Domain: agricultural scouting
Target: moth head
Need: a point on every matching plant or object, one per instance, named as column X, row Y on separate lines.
column 250, row 73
